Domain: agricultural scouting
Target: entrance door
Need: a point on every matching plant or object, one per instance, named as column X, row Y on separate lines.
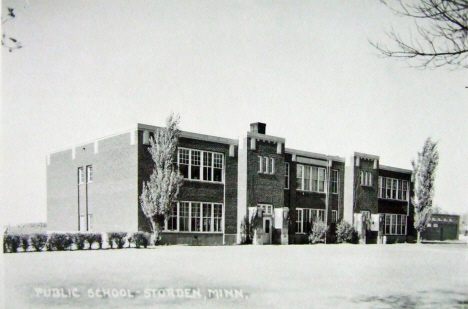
column 266, row 231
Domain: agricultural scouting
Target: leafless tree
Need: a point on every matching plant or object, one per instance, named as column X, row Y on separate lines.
column 159, row 194
column 440, row 38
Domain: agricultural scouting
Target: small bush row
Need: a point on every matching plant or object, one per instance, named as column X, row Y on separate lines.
column 69, row 241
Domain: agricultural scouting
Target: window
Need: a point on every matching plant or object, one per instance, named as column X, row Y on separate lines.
column 207, row 217
column 366, row 179
column 218, row 217
column 395, row 189
column 435, row 225
column 200, row 165
column 266, row 165
column 286, row 177
column 267, row 209
column 334, row 216
column 172, row 221
column 89, row 173
column 395, row 224
column 310, row 178
column 184, row 216
column 305, row 217
column 334, row 181
column 196, row 217
column 80, row 176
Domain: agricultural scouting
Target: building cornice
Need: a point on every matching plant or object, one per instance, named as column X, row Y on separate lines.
column 395, row 169
column 265, row 137
column 315, row 155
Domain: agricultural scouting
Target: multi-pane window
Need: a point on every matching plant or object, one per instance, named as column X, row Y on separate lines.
column 207, row 218
column 267, row 209
column 310, row 178
column 305, row 217
column 334, row 216
column 184, row 216
column 196, row 217
column 391, row 188
column 286, row 177
column 89, row 173
column 172, row 221
column 395, row 224
column 266, row 165
column 334, row 181
column 366, row 179
column 200, row 165
column 81, row 176
column 217, row 217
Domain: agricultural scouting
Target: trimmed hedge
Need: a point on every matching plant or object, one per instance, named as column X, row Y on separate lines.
column 24, row 242
column 60, row 241
column 11, row 243
column 141, row 239
column 79, row 239
column 38, row 241
column 117, row 239
column 94, row 238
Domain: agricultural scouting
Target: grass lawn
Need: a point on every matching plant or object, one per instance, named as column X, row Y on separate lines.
column 308, row 276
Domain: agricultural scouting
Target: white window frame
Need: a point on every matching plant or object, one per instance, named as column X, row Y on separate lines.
column 334, row 216
column 89, row 174
column 311, row 212
column 286, row 176
column 366, row 179
column 213, row 164
column 268, row 209
column 401, row 188
column 272, row 166
column 260, row 164
column 81, row 176
column 313, row 180
column 335, row 180
column 201, row 217
column 396, row 224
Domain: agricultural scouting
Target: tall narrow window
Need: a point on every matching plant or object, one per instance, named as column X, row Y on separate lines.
column 260, row 164
column 334, row 182
column 218, row 216
column 207, row 166
column 89, row 173
column 299, row 221
column 286, row 176
column 195, row 165
column 184, row 216
column 334, row 216
column 405, row 190
column 80, row 176
column 321, row 180
column 184, row 160
column 308, row 218
column 172, row 221
column 206, row 213
column 266, row 168
column 272, row 165
column 388, row 188
column 307, row 172
column 196, row 218
column 315, row 185
column 299, row 174
column 400, row 188
column 218, row 167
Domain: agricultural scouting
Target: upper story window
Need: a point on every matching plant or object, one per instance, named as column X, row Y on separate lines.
column 286, row 177
column 200, row 165
column 310, row 178
column 89, row 173
column 395, row 189
column 334, row 181
column 366, row 179
column 266, row 165
column 81, row 176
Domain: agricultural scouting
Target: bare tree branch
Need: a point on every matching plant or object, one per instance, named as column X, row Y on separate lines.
column 442, row 29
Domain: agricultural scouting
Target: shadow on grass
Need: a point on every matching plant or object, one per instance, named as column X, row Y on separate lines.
column 423, row 299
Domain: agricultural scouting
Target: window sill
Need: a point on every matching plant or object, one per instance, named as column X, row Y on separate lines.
column 204, row 181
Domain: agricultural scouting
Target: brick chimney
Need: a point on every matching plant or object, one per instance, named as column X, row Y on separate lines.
column 258, row 127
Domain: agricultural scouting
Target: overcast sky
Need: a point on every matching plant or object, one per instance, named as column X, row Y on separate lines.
column 305, row 68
